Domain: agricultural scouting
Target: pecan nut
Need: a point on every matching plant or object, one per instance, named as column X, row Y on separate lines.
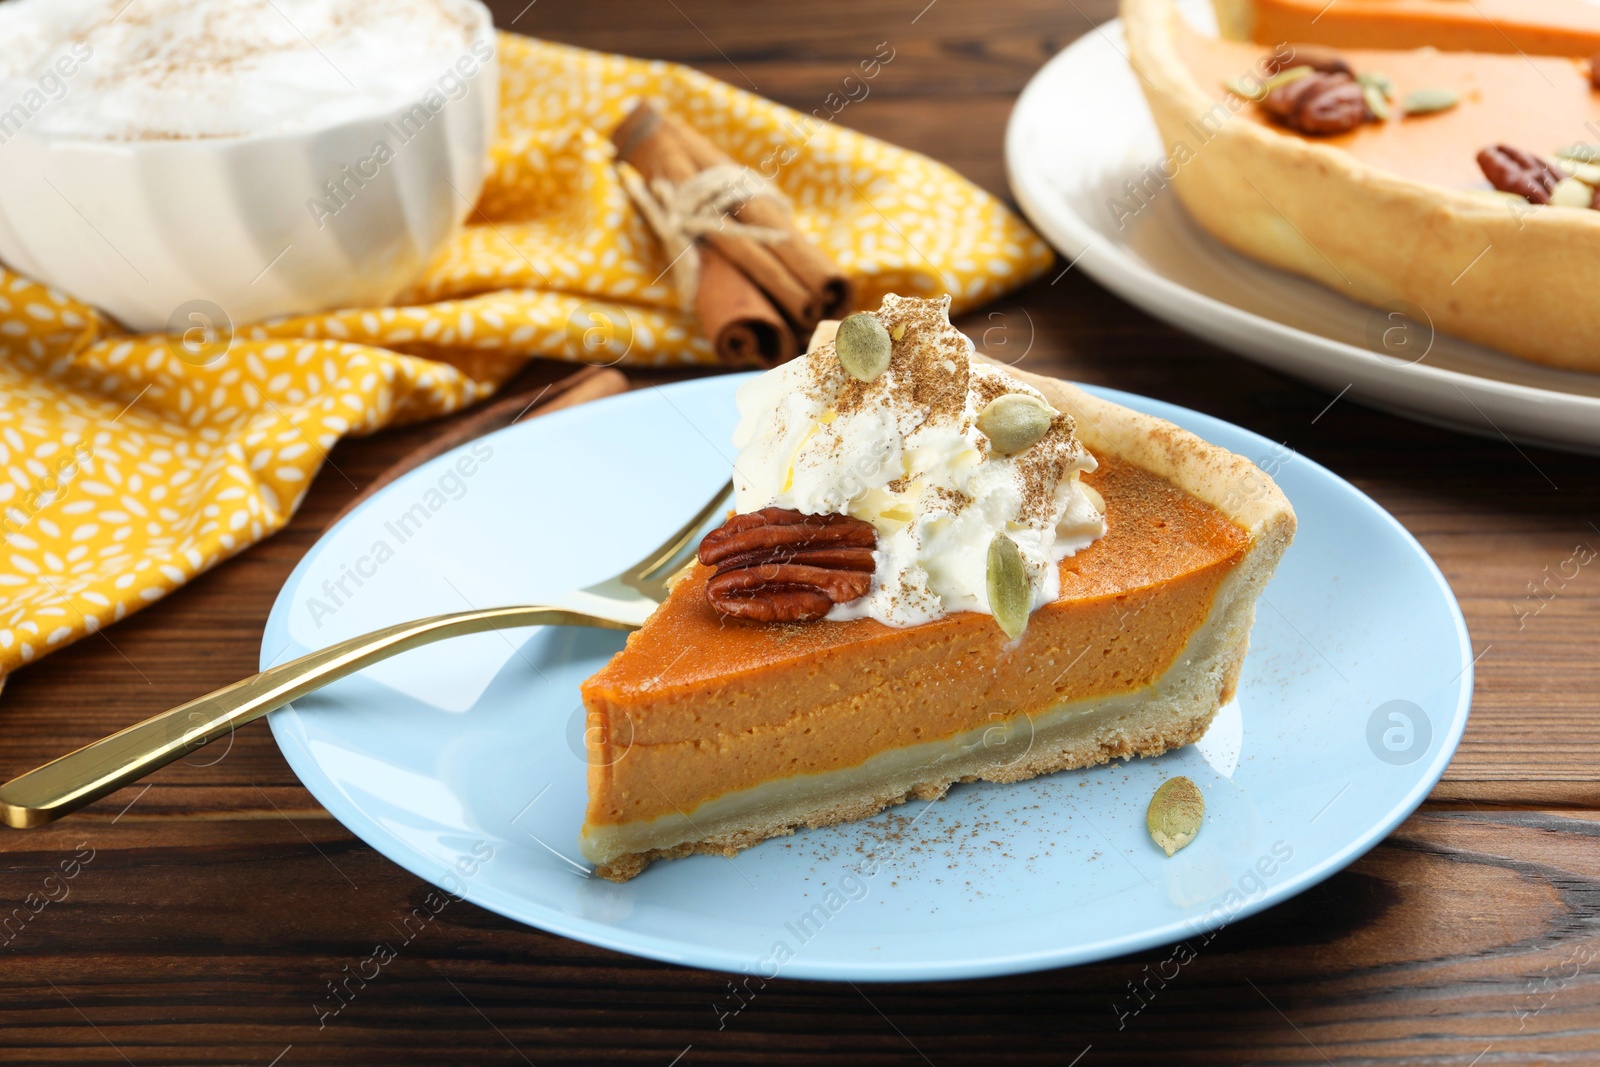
column 1319, row 104
column 778, row 565
column 1511, row 170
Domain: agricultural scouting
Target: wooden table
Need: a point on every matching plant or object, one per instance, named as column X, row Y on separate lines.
column 218, row 904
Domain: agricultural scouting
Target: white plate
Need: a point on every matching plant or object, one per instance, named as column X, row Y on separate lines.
column 1081, row 128
column 463, row 763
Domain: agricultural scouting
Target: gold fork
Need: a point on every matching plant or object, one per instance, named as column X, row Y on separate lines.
column 64, row 785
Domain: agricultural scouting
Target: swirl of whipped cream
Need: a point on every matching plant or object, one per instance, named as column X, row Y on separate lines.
column 904, row 453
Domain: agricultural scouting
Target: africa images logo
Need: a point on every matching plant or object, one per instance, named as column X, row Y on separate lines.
column 1399, row 732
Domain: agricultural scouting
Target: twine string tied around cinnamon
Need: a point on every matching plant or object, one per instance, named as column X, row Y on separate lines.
column 680, row 213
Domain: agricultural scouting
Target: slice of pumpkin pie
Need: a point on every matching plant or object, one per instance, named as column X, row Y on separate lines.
column 938, row 570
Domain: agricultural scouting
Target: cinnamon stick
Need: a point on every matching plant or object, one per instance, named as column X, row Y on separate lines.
column 749, row 331
column 815, row 271
column 791, row 273
column 802, row 306
column 743, row 325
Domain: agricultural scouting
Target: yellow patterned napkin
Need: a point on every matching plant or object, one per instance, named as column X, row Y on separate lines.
column 126, row 469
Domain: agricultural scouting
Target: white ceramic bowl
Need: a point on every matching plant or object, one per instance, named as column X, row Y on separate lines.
column 145, row 229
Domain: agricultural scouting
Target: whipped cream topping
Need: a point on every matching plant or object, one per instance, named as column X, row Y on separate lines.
column 905, row 453
column 133, row 69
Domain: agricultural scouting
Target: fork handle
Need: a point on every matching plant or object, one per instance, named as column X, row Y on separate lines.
column 64, row 785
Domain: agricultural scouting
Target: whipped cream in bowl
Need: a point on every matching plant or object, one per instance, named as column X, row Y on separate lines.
column 905, row 453
column 166, row 69
column 239, row 160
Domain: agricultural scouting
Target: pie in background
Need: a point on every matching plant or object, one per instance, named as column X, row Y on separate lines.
column 1457, row 177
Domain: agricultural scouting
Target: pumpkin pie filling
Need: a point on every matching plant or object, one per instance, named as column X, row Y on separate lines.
column 755, row 702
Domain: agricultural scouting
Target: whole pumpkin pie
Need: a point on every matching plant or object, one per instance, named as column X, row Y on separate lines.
column 943, row 571
column 1457, row 177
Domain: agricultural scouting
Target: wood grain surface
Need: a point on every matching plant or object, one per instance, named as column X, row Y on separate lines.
column 208, row 909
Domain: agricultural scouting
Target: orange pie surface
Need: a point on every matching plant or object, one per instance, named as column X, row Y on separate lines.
column 697, row 706
column 1537, row 103
column 1535, row 27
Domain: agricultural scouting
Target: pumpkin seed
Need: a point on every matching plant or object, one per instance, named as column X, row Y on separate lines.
column 1015, row 422
column 1285, row 76
column 1571, row 192
column 1428, row 101
column 1010, row 593
column 1580, row 153
column 1584, row 172
column 1175, row 813
column 863, row 346
column 1238, row 87
column 1377, row 102
column 1373, row 80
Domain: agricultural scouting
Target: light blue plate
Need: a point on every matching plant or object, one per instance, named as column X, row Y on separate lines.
column 462, row 762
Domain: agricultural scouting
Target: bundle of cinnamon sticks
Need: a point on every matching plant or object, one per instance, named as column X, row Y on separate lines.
column 762, row 287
